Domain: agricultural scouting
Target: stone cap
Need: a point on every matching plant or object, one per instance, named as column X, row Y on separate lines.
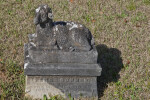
column 63, row 69
column 34, row 55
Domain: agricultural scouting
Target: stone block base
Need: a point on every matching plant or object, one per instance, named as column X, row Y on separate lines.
column 76, row 86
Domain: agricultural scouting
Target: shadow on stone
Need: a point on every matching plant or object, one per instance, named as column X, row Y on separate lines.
column 111, row 63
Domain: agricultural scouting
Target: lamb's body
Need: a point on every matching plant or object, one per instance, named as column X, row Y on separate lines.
column 67, row 36
column 72, row 36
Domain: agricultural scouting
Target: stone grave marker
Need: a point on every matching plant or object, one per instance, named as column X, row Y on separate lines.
column 60, row 59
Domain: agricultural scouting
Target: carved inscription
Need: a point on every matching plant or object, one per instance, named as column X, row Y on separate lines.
column 62, row 85
column 59, row 79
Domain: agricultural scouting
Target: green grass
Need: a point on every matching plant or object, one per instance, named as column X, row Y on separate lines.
column 13, row 86
column 131, row 6
column 121, row 30
column 147, row 2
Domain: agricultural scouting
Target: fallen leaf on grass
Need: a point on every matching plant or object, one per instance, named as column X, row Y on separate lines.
column 101, row 12
column 125, row 20
column 1, row 60
column 93, row 20
column 71, row 1
column 137, row 25
column 128, row 62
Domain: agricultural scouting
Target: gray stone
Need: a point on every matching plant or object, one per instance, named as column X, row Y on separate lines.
column 72, row 69
column 62, row 35
column 60, row 59
column 77, row 86
column 34, row 55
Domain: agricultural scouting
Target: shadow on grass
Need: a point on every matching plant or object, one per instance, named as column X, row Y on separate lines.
column 111, row 63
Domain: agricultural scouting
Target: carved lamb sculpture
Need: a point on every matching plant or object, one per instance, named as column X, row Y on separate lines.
column 60, row 59
column 67, row 36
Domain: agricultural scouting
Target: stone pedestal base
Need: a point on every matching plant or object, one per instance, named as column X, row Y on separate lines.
column 76, row 86
column 62, row 73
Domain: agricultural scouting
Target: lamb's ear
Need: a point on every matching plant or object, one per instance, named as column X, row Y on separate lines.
column 37, row 16
column 50, row 15
column 37, row 10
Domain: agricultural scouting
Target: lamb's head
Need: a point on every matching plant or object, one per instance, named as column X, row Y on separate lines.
column 43, row 14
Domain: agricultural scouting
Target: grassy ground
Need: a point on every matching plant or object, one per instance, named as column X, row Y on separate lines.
column 122, row 34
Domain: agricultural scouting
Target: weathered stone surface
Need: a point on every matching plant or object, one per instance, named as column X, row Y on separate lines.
column 34, row 55
column 77, row 86
column 62, row 35
column 60, row 58
column 62, row 69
